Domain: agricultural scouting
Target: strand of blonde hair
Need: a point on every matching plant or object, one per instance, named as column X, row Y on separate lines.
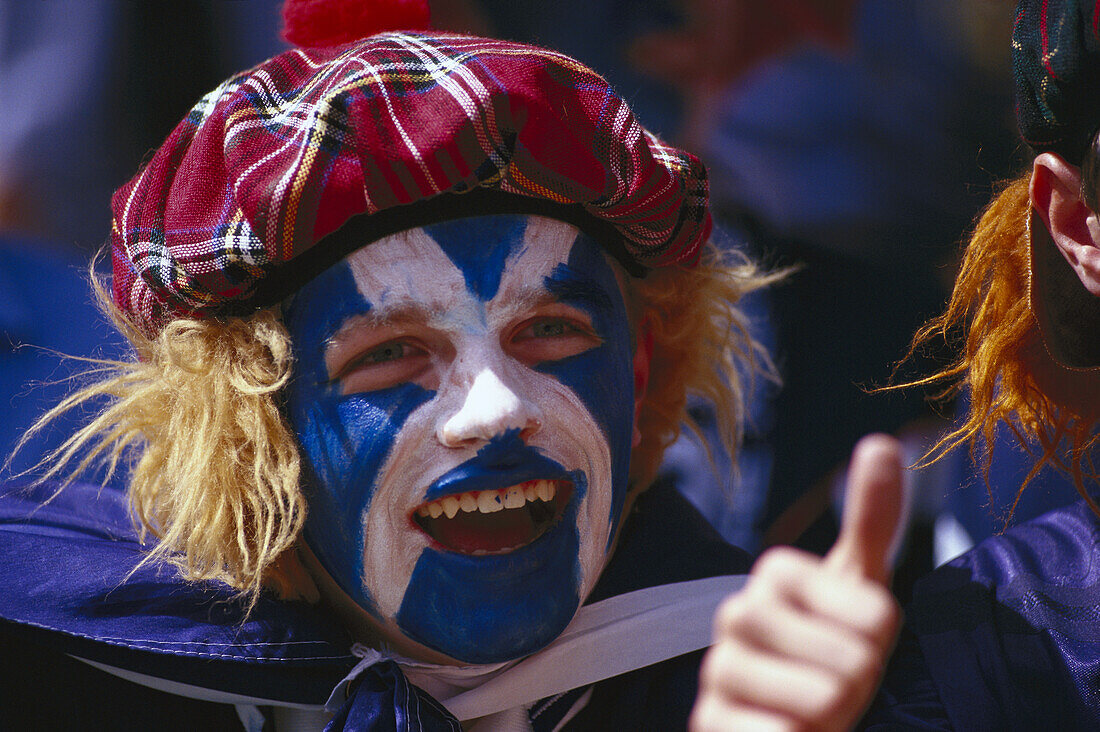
column 216, row 477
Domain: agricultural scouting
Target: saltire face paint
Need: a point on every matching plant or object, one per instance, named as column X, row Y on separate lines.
column 464, row 401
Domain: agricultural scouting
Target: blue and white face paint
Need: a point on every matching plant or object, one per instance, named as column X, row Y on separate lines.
column 465, row 404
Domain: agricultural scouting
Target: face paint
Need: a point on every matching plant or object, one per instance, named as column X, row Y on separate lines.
column 464, row 402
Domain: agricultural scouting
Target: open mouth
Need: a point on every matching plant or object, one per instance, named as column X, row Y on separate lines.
column 494, row 521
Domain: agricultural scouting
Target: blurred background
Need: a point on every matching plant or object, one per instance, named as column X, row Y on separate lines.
column 853, row 139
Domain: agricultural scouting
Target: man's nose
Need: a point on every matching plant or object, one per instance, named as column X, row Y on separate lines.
column 489, row 408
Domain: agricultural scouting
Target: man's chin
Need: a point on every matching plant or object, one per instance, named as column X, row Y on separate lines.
column 473, row 642
column 463, row 609
column 495, row 607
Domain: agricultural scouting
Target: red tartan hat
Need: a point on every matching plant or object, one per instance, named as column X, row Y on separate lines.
column 285, row 168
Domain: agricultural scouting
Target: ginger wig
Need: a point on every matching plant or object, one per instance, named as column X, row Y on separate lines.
column 1003, row 361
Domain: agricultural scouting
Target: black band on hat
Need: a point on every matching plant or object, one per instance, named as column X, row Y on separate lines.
column 1068, row 315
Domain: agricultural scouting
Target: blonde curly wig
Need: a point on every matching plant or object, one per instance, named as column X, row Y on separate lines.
column 216, row 477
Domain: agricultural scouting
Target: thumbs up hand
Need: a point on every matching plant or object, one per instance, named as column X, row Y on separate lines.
column 804, row 644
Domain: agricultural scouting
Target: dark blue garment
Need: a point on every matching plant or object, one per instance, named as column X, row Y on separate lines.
column 67, row 588
column 66, row 584
column 1006, row 637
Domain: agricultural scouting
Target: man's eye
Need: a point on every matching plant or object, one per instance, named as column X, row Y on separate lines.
column 551, row 339
column 383, row 366
column 387, row 352
column 551, row 328
column 386, row 355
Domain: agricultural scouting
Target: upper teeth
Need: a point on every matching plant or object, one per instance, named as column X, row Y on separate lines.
column 490, row 501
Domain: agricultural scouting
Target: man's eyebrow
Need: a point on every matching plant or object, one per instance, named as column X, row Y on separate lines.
column 566, row 284
column 395, row 313
column 584, row 294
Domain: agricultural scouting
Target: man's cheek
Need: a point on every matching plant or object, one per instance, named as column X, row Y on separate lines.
column 603, row 380
column 346, row 441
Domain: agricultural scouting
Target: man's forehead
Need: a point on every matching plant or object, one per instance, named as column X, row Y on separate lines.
column 482, row 259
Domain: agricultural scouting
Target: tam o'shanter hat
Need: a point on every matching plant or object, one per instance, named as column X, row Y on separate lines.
column 1056, row 67
column 239, row 206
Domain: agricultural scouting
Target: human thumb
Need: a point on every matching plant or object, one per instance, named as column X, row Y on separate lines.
column 872, row 509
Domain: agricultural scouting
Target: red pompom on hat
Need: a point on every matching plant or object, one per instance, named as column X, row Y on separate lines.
column 323, row 23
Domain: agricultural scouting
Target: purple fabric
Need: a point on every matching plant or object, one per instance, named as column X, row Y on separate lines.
column 66, row 583
column 1008, row 634
column 384, row 701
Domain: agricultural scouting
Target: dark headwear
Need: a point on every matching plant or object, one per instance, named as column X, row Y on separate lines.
column 1056, row 65
column 238, row 207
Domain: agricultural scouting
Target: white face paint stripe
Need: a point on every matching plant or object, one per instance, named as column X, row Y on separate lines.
column 389, row 273
column 398, row 275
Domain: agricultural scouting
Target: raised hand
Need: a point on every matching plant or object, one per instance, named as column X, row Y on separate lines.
column 803, row 646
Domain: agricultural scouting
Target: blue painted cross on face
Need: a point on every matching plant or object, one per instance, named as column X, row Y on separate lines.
column 465, row 404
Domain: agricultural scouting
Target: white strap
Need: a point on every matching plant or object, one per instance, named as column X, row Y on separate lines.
column 605, row 639
column 510, row 720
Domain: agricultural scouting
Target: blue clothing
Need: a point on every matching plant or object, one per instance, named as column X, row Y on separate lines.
column 67, row 588
column 981, row 502
column 1006, row 637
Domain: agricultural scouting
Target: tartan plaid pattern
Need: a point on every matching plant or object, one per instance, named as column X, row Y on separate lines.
column 276, row 158
column 1056, row 65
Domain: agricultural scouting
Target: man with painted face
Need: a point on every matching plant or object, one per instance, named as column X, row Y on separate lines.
column 414, row 318
column 467, row 419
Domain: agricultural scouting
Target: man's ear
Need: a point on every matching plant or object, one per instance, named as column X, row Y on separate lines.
column 643, row 353
column 1074, row 227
